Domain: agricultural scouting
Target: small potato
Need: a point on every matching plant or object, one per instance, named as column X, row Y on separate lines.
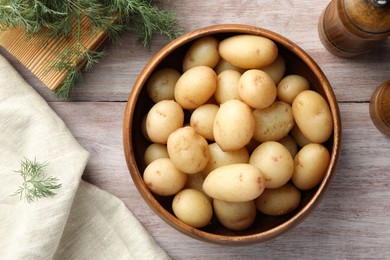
column 195, row 87
column 163, row 118
column 192, row 207
column 161, row 84
column 290, row 144
column 276, row 69
column 311, row 163
column 155, row 151
column 273, row 122
column 224, row 65
column 312, row 115
column 275, row 162
column 235, row 215
column 202, row 120
column 188, row 150
column 248, row 51
column 279, row 201
column 257, row 89
column 143, row 128
column 298, row 136
column 290, row 86
column 252, row 145
column 227, row 87
column 163, row 178
column 203, row 51
column 219, row 158
column 234, row 125
column 195, row 181
column 234, row 183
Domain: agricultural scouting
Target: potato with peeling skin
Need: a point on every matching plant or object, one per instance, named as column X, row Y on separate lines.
column 234, row 183
column 188, row 150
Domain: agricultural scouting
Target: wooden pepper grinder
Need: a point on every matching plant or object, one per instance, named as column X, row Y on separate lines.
column 348, row 28
column 380, row 108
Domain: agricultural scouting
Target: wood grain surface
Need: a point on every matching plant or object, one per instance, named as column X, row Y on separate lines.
column 353, row 219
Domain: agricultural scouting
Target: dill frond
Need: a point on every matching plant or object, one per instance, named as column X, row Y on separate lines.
column 35, row 184
column 61, row 19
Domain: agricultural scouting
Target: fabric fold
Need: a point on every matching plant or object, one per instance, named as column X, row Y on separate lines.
column 81, row 221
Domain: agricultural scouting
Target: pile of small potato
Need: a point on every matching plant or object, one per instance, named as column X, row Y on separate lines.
column 253, row 141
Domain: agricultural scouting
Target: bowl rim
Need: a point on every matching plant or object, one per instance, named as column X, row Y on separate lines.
column 136, row 174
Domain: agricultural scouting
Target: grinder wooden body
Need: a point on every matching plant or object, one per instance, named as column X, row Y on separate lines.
column 348, row 28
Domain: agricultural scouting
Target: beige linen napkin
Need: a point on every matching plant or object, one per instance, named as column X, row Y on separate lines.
column 81, row 221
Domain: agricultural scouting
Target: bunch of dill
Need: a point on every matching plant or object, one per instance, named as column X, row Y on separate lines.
column 62, row 19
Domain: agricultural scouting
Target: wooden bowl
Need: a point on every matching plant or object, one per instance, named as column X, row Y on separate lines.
column 265, row 227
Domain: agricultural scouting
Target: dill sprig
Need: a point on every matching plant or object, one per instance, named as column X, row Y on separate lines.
column 61, row 19
column 35, row 183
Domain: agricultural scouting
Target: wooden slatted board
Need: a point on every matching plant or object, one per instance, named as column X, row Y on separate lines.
column 38, row 52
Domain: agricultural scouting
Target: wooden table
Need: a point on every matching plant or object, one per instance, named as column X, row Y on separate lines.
column 352, row 221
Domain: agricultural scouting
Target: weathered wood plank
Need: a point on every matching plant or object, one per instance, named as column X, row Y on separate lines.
column 352, row 221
